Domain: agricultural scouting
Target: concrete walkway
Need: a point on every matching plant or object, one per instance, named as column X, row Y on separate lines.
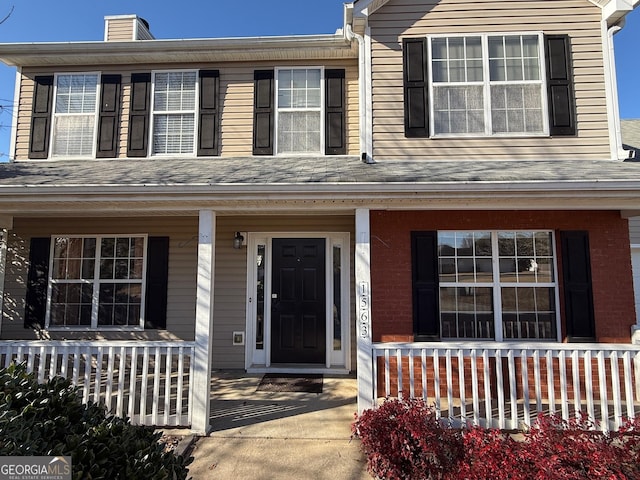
column 263, row 435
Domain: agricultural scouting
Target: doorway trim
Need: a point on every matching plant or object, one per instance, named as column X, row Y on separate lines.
column 258, row 360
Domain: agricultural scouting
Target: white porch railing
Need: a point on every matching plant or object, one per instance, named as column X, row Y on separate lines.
column 505, row 385
column 149, row 382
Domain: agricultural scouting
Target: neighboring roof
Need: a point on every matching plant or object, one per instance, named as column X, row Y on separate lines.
column 631, row 136
column 307, row 183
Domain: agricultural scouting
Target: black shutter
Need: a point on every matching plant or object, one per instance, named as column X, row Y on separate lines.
column 37, row 280
column 578, row 292
column 109, row 117
column 41, row 117
column 426, row 313
column 138, row 138
column 263, row 112
column 416, row 94
column 155, row 315
column 562, row 116
column 208, row 121
column 335, row 141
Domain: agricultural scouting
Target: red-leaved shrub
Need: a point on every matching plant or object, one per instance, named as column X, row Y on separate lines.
column 404, row 439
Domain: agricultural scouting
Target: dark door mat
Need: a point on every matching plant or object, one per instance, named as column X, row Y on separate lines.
column 278, row 382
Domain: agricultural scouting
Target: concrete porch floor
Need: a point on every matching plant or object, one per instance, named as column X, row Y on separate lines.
column 283, row 435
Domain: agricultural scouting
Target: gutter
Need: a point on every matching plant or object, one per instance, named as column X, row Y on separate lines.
column 366, row 123
column 611, row 89
column 36, row 53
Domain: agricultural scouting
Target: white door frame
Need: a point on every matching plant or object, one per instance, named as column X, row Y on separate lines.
column 337, row 361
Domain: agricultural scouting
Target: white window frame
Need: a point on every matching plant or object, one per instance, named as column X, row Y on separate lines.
column 96, row 286
column 153, row 113
column 487, row 83
column 497, row 285
column 320, row 109
column 54, row 114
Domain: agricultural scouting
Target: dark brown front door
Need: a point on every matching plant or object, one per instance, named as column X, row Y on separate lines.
column 298, row 301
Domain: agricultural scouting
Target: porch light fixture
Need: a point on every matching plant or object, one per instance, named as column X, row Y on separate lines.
column 238, row 241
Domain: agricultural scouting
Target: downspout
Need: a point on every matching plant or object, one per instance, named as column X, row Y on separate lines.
column 611, row 88
column 366, row 147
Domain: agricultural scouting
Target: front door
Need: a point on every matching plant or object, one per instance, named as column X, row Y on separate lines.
column 298, row 301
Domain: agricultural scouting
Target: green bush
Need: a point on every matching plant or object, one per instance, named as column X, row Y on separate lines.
column 50, row 419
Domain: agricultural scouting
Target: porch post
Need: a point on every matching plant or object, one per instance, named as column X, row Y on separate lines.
column 201, row 384
column 363, row 313
column 6, row 224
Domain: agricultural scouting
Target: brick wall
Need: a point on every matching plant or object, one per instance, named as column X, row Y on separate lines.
column 392, row 318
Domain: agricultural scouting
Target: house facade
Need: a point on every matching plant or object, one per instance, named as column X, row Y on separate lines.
column 434, row 196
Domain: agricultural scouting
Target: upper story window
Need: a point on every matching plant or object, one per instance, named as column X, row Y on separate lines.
column 174, row 112
column 487, row 85
column 74, row 116
column 299, row 110
column 96, row 282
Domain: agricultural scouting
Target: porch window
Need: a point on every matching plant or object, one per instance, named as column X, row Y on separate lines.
column 487, row 85
column 96, row 282
column 74, row 118
column 299, row 110
column 496, row 285
column 174, row 112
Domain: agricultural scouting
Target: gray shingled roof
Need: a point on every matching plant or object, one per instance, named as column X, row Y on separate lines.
column 631, row 136
column 305, row 170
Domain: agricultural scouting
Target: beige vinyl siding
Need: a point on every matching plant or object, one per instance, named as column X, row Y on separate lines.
column 120, row 29
column 230, row 274
column 415, row 18
column 634, row 230
column 182, row 232
column 236, row 101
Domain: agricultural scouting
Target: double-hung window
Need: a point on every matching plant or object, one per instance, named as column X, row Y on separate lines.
column 74, row 116
column 488, row 85
column 174, row 112
column 497, row 285
column 299, row 110
column 96, row 282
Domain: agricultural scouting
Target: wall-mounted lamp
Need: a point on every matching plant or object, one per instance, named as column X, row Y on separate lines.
column 238, row 241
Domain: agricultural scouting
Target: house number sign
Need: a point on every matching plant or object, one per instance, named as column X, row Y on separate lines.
column 364, row 309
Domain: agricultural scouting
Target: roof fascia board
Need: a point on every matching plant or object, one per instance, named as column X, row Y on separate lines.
column 41, row 53
column 612, row 10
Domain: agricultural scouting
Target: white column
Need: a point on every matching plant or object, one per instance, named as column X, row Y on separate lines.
column 201, row 384
column 4, row 237
column 363, row 310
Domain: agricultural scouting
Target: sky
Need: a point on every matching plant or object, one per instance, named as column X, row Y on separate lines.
column 83, row 20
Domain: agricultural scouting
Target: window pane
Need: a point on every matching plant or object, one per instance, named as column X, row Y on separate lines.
column 173, row 133
column 337, row 298
column 261, row 268
column 458, row 109
column 73, row 135
column 299, row 132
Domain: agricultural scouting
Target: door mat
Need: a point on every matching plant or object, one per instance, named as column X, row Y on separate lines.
column 278, row 382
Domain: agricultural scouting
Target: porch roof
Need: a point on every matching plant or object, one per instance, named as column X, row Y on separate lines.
column 343, row 181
